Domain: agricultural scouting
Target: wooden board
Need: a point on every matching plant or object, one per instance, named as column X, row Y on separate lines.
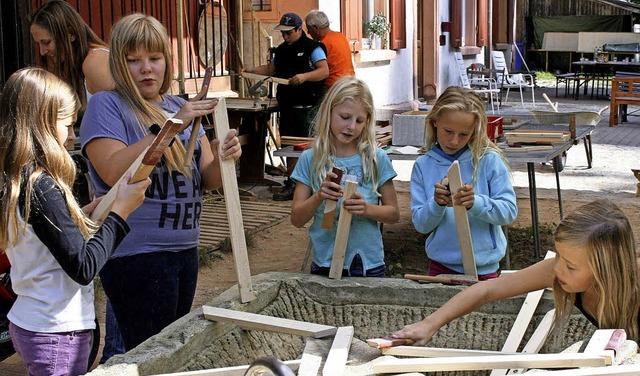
column 336, row 362
column 436, row 352
column 228, row 371
column 234, row 211
column 537, row 340
column 254, row 321
column 141, row 168
column 462, row 223
column 254, row 76
column 522, row 322
column 311, row 359
column 342, row 233
column 491, row 362
column 626, row 370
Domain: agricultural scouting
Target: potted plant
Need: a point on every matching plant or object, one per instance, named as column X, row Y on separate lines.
column 377, row 29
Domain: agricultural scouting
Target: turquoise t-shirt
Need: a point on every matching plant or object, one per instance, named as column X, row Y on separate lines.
column 364, row 236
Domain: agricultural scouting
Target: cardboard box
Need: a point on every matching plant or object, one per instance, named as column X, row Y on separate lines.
column 409, row 128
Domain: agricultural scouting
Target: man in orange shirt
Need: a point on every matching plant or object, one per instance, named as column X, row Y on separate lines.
column 338, row 51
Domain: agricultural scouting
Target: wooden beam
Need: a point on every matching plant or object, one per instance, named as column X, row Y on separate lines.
column 254, row 321
column 311, row 360
column 342, row 233
column 492, row 362
column 626, row 370
column 522, row 322
column 232, row 201
column 228, row 371
column 437, row 352
column 462, row 223
column 255, row 76
column 336, row 362
column 537, row 340
column 141, row 167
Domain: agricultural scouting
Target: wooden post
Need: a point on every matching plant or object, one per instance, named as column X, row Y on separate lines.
column 336, row 362
column 232, row 201
column 462, row 223
column 342, row 233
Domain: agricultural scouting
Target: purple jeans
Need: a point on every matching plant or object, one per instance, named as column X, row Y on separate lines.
column 52, row 353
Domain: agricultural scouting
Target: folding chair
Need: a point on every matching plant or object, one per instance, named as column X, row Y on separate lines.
column 512, row 81
column 480, row 85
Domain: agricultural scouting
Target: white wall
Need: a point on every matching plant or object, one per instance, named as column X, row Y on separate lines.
column 390, row 81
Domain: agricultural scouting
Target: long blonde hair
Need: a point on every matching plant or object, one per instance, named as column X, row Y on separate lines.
column 459, row 99
column 33, row 100
column 602, row 230
column 74, row 39
column 354, row 89
column 130, row 34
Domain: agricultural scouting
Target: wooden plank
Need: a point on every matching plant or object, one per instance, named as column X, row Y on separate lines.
column 342, row 233
column 626, row 370
column 436, row 352
column 141, row 167
column 255, row 76
column 228, row 371
column 440, row 279
column 522, row 322
column 311, row 360
column 336, row 362
column 462, row 223
column 537, row 340
column 491, row 362
column 195, row 128
column 254, row 321
column 234, row 211
column 330, row 205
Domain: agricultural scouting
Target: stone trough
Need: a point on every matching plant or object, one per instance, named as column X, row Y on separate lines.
column 374, row 307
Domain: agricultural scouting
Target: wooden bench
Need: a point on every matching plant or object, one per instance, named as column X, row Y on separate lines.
column 624, row 90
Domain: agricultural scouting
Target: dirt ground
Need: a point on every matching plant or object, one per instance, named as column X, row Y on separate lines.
column 282, row 247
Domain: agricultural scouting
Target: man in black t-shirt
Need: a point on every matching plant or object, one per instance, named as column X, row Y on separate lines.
column 303, row 61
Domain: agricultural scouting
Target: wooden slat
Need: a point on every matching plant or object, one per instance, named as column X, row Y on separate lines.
column 436, row 352
column 228, row 371
column 255, row 76
column 232, row 200
column 336, row 362
column 462, row 223
column 342, row 234
column 522, row 322
column 537, row 339
column 311, row 359
column 626, row 370
column 254, row 321
column 491, row 362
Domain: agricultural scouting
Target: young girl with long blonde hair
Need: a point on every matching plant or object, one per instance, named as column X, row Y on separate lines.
column 595, row 270
column 457, row 130
column 345, row 138
column 54, row 249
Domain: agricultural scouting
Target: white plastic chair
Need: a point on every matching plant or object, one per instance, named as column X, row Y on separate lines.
column 480, row 85
column 511, row 81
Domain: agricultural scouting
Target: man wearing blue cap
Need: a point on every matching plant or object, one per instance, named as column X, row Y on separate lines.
column 303, row 61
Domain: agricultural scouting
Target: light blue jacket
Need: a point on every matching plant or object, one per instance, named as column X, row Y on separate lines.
column 494, row 206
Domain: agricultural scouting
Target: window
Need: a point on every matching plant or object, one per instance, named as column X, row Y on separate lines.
column 261, row 5
column 355, row 12
column 469, row 25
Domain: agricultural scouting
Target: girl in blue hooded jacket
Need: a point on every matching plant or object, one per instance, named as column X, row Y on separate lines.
column 457, row 130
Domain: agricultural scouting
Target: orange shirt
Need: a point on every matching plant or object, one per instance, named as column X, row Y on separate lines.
column 338, row 57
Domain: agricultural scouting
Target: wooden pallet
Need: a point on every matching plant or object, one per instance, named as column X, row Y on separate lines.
column 214, row 226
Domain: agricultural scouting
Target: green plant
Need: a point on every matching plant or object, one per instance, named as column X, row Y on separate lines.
column 378, row 26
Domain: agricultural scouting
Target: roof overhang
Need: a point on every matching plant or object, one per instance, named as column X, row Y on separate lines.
column 626, row 5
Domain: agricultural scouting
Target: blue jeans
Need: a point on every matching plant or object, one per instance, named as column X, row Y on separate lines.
column 113, row 342
column 150, row 291
column 52, row 354
column 355, row 270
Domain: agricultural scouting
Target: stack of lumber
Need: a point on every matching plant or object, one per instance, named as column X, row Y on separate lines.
column 536, row 137
column 383, row 133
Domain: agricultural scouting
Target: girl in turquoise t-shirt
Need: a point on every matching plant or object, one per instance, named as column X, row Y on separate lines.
column 345, row 130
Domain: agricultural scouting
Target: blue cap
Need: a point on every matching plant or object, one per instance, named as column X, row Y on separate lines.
column 289, row 21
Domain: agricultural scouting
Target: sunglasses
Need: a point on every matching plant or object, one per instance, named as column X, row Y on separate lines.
column 288, row 32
